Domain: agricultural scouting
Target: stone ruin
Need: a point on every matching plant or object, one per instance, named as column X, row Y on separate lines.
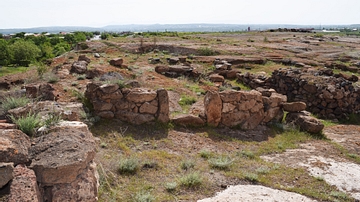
column 133, row 105
column 328, row 95
column 244, row 109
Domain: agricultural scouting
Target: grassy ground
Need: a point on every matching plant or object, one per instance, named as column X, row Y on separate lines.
column 166, row 172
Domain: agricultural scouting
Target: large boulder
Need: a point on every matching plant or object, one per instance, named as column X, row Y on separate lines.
column 24, row 186
column 213, row 108
column 305, row 121
column 95, row 72
column 116, row 62
column 79, row 67
column 14, row 146
column 62, row 155
column 6, row 173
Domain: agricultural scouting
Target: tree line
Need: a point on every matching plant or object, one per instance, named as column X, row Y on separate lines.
column 21, row 50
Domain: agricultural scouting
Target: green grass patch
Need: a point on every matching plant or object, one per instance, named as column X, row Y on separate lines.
column 128, row 165
column 12, row 70
column 14, row 102
column 221, row 162
column 28, row 123
column 191, row 180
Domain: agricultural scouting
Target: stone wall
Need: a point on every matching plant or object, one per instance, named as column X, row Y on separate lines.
column 326, row 94
column 135, row 105
column 246, row 109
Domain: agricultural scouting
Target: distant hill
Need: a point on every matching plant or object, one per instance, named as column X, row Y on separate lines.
column 167, row 27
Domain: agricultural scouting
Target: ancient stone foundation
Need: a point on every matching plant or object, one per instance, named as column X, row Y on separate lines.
column 326, row 94
column 135, row 105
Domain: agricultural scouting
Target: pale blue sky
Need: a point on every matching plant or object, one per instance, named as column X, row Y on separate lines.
column 97, row 13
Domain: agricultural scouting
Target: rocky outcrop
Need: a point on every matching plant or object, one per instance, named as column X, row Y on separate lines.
column 135, row 105
column 67, row 111
column 174, row 71
column 304, row 121
column 14, row 146
column 24, row 186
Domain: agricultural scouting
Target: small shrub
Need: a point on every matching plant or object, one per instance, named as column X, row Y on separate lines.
column 28, row 123
column 187, row 100
column 250, row 40
column 41, row 69
column 187, row 164
column 263, row 170
column 251, row 177
column 52, row 120
column 170, row 186
column 191, row 180
column 128, row 166
column 206, row 51
column 14, row 102
column 51, row 77
column 266, row 40
column 81, row 77
column 205, row 154
column 143, row 196
column 247, row 154
column 221, row 163
column 150, row 165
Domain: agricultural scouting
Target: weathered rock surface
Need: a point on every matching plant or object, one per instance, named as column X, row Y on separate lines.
column 79, row 67
column 117, row 62
column 213, row 108
column 84, row 58
column 163, row 105
column 305, row 122
column 62, row 155
column 24, row 186
column 294, row 106
column 6, row 173
column 14, row 146
column 7, row 126
column 188, row 120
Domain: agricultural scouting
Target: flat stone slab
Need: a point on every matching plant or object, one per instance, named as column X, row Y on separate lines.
column 250, row 193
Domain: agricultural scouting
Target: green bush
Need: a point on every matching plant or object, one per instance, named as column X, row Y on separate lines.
column 52, row 120
column 14, row 102
column 206, row 51
column 24, row 52
column 41, row 69
column 170, row 186
column 27, row 124
column 221, row 163
column 251, row 177
column 128, row 165
column 191, row 180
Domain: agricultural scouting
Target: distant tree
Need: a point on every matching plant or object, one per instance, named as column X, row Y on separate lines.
column 104, row 36
column 46, row 51
column 55, row 40
column 20, row 35
column 70, row 39
column 96, row 33
column 5, row 53
column 61, row 48
column 1, row 36
column 79, row 36
column 24, row 52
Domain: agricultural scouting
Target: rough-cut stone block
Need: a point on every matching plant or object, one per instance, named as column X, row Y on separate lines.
column 305, row 122
column 6, row 173
column 24, row 186
column 141, row 95
column 60, row 156
column 294, row 106
column 163, row 106
column 14, row 146
column 213, row 108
